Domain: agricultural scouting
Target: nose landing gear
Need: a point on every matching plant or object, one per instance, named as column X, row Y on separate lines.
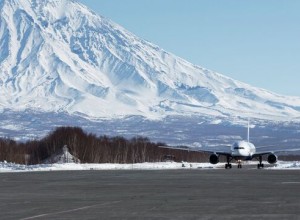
column 239, row 164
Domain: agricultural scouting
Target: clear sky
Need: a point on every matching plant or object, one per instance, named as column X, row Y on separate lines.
column 254, row 41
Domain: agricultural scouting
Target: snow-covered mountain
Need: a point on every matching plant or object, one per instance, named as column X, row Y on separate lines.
column 59, row 56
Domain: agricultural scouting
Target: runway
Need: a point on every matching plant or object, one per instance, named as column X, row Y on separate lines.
column 165, row 194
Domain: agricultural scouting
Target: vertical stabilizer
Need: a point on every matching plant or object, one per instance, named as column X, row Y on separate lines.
column 248, row 133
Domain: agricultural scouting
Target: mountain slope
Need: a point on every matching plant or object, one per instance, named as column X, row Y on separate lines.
column 59, row 56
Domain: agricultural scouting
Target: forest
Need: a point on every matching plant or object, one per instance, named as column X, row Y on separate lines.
column 89, row 148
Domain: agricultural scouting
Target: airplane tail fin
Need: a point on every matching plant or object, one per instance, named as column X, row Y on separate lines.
column 248, row 133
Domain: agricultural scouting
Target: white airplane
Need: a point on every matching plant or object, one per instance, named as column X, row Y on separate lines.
column 242, row 151
column 239, row 151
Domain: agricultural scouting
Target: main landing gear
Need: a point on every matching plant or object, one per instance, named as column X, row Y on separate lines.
column 260, row 165
column 228, row 164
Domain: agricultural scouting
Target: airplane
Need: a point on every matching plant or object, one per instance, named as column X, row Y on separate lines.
column 242, row 151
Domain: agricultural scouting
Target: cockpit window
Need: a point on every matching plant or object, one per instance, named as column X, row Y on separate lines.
column 238, row 148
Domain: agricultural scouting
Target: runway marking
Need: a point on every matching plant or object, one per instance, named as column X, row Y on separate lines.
column 290, row 182
column 69, row 211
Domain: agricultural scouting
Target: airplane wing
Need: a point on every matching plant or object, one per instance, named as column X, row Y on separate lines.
column 223, row 153
column 257, row 154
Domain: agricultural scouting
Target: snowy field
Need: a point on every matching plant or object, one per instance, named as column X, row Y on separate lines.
column 11, row 167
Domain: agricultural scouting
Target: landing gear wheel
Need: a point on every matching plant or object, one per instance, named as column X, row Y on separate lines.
column 259, row 166
column 228, row 166
column 239, row 166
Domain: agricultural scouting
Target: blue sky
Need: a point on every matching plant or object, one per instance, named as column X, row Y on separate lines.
column 254, row 41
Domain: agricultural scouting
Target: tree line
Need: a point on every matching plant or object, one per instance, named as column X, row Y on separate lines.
column 89, row 148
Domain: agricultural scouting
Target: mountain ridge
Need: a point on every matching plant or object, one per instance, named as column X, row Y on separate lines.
column 59, row 56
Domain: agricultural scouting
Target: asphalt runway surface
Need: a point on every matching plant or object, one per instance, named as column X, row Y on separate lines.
column 164, row 194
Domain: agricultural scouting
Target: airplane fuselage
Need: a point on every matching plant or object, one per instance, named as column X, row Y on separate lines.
column 242, row 150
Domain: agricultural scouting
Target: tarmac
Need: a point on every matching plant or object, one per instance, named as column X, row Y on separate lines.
column 164, row 194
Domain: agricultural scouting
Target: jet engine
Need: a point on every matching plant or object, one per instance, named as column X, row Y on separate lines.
column 214, row 159
column 272, row 158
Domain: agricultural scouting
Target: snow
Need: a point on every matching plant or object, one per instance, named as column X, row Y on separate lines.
column 59, row 56
column 62, row 157
column 12, row 167
column 6, row 167
column 63, row 65
column 286, row 165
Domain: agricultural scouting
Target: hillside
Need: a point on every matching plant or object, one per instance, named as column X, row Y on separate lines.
column 59, row 56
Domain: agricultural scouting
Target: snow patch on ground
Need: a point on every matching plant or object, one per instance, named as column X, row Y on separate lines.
column 12, row 167
column 286, row 165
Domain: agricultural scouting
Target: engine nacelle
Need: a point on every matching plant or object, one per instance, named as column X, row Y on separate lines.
column 214, row 159
column 272, row 158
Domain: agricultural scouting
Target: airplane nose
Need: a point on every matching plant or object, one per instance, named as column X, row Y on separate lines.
column 242, row 152
column 245, row 153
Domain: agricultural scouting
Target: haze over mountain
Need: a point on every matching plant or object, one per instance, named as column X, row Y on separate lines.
column 59, row 56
